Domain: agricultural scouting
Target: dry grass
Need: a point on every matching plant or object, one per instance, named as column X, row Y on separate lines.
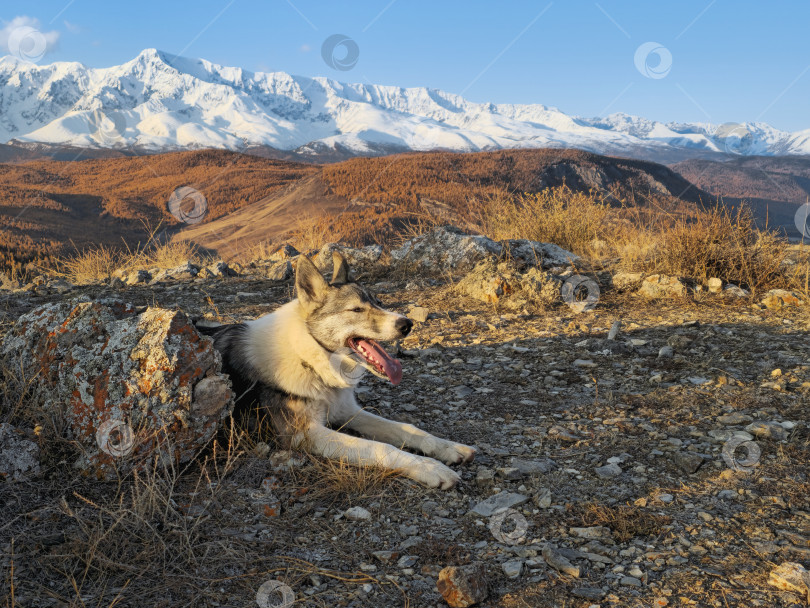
column 99, row 263
column 313, row 231
column 338, row 481
column 625, row 521
column 698, row 244
column 561, row 216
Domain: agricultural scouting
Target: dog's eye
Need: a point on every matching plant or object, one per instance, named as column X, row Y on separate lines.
column 358, row 309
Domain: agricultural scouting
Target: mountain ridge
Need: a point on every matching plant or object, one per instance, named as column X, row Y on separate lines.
column 156, row 102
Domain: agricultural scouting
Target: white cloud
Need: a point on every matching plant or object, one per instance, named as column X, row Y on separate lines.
column 72, row 27
column 23, row 38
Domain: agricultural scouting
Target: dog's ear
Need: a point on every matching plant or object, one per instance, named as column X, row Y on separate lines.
column 310, row 286
column 340, row 269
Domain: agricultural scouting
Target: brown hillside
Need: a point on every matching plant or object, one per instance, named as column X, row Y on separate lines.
column 47, row 207
column 773, row 186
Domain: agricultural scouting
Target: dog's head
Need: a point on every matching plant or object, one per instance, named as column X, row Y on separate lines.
column 343, row 314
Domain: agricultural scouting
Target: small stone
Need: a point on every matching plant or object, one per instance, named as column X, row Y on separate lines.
column 780, row 298
column 509, row 473
column 607, row 471
column 588, row 593
column 733, row 291
column 386, row 557
column 584, row 363
column 614, row 330
column 419, row 314
column 630, row 581
column 666, row 352
column 543, row 498
column 666, row 498
column 661, row 286
column 502, row 500
column 534, row 467
column 356, row 514
column 558, row 561
column 513, row 568
column 689, row 462
column 626, row 281
column 767, row 430
column 484, row 476
column 734, row 418
column 463, row 586
column 715, row 285
column 590, row 532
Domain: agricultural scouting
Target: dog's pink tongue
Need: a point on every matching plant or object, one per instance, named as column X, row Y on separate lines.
column 392, row 367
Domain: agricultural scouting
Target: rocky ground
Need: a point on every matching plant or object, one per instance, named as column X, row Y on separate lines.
column 600, row 478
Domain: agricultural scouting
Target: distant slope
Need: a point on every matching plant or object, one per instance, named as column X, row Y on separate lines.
column 368, row 199
column 774, row 187
column 47, row 207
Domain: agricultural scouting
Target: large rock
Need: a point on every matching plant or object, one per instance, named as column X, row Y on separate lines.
column 448, row 248
column 494, row 282
column 463, row 586
column 791, row 576
column 661, row 286
column 19, row 456
column 355, row 257
column 128, row 384
column 780, row 298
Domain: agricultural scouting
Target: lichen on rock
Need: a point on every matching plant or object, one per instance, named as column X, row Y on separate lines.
column 115, row 373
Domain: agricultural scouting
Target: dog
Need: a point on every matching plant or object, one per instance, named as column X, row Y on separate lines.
column 305, row 360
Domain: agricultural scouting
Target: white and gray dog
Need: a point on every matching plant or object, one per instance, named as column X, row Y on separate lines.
column 306, row 359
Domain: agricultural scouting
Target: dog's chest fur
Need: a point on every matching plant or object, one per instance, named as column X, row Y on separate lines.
column 276, row 362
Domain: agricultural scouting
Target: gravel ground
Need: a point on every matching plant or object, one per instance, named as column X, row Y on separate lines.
column 607, row 454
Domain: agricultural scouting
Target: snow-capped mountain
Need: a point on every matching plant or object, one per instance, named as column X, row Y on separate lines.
column 158, row 102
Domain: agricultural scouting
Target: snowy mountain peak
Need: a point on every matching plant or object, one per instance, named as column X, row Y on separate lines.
column 159, row 101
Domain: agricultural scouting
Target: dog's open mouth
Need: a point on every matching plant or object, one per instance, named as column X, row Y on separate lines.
column 377, row 360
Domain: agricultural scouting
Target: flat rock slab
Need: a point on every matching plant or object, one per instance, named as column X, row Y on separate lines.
column 502, row 500
column 129, row 384
column 19, row 456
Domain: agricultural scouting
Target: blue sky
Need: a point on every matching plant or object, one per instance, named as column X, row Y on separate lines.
column 730, row 61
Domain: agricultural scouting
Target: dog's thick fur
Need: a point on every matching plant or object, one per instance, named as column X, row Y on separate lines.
column 298, row 359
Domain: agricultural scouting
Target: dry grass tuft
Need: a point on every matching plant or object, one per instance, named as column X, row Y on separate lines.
column 561, row 216
column 699, row 243
column 100, row 263
column 625, row 521
column 341, row 482
column 312, row 232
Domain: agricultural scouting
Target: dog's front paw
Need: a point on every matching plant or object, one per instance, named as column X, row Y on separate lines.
column 434, row 474
column 455, row 453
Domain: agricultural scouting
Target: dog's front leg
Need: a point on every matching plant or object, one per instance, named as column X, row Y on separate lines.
column 357, row 451
column 349, row 414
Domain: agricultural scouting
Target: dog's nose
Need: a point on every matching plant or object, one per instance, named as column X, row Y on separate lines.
column 404, row 325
